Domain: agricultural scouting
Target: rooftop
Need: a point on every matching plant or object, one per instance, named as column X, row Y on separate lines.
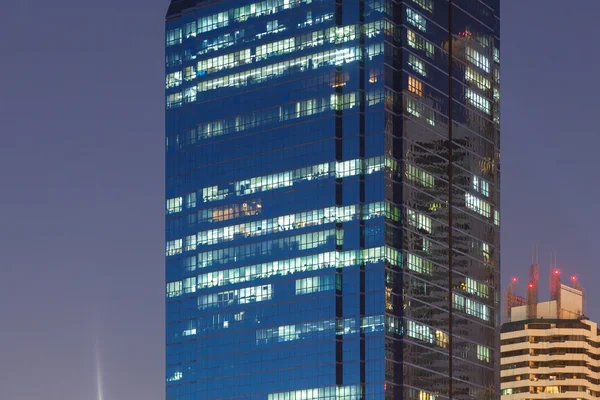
column 177, row 6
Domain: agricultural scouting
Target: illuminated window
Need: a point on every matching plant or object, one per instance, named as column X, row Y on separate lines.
column 373, row 323
column 419, row 331
column 373, row 76
column 497, row 217
column 418, row 264
column 289, row 178
column 413, row 107
column 374, row 28
column 254, row 294
column 483, row 353
column 244, row 253
column 389, row 304
column 174, row 100
column 174, row 37
column 419, row 221
column 426, row 396
column 272, row 71
column 173, row 79
column 415, row 86
column 426, row 245
column 288, row 333
column 174, row 247
column 315, row 262
column 479, row 206
column 310, row 39
column 342, row 34
column 477, row 100
column 416, row 20
column 190, row 73
column 174, row 205
column 224, row 61
column 211, row 22
column 189, row 285
column 175, row 377
column 189, row 94
column 218, row 42
column 417, row 64
column 420, row 43
column 340, row 101
column 174, row 289
column 191, row 242
column 230, row 211
column 478, row 59
column 189, row 332
column 353, row 392
column 481, row 185
column 281, row 223
column 239, row 316
column 347, row 168
column 339, row 237
column 314, row 284
column 341, row 79
column 393, row 325
column 419, row 110
column 485, row 250
column 254, row 10
column 441, row 339
column 477, row 288
column 412, row 38
column 426, row 5
column 190, row 200
column 189, row 30
column 471, row 307
column 471, row 75
column 273, row 27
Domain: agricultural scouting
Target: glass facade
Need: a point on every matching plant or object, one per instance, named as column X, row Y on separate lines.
column 332, row 199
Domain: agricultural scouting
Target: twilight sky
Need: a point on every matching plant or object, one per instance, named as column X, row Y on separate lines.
column 81, row 211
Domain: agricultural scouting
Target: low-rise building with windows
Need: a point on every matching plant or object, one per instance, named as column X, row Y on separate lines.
column 550, row 350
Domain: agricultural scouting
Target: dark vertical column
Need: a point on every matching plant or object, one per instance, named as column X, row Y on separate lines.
column 362, row 150
column 339, row 349
column 450, row 206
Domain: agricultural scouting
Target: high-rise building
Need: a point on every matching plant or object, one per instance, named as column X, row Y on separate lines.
column 550, row 350
column 332, row 199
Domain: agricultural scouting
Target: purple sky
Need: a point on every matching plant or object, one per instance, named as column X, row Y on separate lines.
column 81, row 209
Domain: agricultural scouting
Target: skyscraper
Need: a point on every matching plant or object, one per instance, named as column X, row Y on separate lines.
column 332, row 199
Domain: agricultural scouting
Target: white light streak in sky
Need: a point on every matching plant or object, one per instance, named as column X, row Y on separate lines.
column 98, row 361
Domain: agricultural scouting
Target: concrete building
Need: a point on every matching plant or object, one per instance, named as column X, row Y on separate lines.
column 550, row 350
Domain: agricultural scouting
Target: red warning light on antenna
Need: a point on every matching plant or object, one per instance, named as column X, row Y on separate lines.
column 514, row 279
column 574, row 278
column 556, row 272
column 531, row 286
